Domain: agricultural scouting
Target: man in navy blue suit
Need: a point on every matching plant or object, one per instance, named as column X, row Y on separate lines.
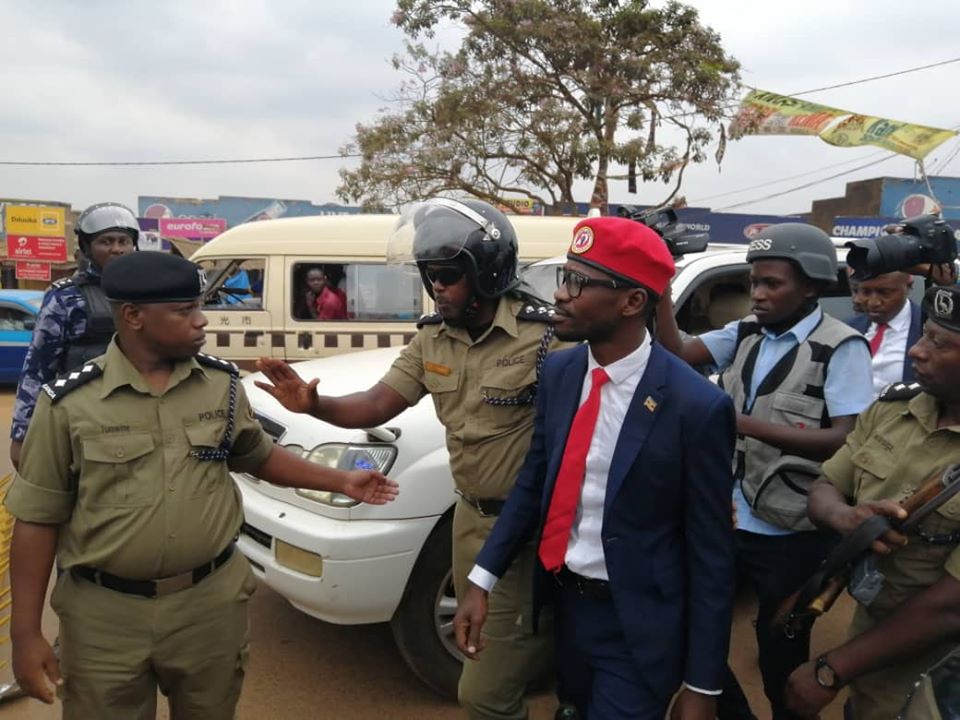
column 891, row 323
column 626, row 489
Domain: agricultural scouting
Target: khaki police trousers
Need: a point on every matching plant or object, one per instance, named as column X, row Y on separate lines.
column 493, row 686
column 117, row 649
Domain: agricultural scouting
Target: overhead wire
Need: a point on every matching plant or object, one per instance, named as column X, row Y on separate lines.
column 230, row 161
column 308, row 158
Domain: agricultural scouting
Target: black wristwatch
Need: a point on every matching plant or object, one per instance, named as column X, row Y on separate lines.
column 826, row 676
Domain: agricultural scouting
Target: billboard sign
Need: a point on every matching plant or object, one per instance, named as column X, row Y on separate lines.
column 32, row 271
column 150, row 235
column 235, row 210
column 35, row 220
column 31, row 247
column 729, row 227
column 192, row 228
column 902, row 198
column 859, row 228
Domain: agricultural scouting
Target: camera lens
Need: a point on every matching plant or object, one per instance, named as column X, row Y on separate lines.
column 887, row 253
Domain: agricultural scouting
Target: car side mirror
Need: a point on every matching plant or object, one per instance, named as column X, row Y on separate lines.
column 29, row 324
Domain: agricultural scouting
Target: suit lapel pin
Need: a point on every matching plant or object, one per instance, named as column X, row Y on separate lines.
column 650, row 404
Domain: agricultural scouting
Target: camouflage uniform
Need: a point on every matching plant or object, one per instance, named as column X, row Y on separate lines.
column 63, row 321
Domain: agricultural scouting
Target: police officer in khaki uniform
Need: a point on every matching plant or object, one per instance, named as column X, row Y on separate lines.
column 478, row 358
column 911, row 433
column 124, row 478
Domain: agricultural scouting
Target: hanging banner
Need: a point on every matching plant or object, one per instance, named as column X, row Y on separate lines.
column 766, row 113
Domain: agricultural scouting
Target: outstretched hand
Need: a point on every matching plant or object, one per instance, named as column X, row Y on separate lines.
column 371, row 487
column 287, row 387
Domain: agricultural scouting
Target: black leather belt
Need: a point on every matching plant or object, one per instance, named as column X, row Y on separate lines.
column 153, row 588
column 485, row 506
column 593, row 587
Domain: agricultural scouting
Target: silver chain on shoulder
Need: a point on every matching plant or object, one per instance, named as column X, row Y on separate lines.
column 221, row 453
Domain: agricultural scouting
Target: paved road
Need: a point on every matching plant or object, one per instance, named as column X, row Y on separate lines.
column 302, row 667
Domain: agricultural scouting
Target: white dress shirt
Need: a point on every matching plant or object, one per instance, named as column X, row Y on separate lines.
column 585, row 549
column 888, row 360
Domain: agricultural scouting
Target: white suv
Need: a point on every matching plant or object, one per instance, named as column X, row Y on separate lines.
column 350, row 564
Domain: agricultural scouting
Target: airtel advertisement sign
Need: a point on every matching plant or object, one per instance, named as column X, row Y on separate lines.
column 32, row 247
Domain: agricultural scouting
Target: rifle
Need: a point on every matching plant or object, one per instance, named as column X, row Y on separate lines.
column 853, row 558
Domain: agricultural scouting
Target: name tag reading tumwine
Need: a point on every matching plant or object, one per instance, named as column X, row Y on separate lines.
column 438, row 369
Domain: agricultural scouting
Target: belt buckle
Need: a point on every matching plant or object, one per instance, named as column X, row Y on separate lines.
column 166, row 586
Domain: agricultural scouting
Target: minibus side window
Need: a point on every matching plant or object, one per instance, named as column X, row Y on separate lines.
column 331, row 292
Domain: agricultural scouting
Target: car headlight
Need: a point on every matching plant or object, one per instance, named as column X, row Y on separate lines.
column 347, row 456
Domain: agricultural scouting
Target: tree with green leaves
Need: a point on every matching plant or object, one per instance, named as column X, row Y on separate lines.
column 541, row 94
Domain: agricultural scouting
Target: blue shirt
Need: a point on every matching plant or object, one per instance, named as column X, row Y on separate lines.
column 847, row 390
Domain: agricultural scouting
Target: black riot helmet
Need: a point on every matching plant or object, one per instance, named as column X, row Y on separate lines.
column 102, row 217
column 471, row 233
column 809, row 247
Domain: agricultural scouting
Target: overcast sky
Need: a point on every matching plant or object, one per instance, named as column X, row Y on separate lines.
column 104, row 80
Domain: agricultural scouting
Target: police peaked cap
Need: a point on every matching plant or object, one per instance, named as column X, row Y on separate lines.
column 151, row 277
column 942, row 306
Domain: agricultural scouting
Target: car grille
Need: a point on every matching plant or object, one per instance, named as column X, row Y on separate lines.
column 258, row 536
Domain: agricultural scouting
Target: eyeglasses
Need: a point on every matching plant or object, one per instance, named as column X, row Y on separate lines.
column 445, row 275
column 575, row 283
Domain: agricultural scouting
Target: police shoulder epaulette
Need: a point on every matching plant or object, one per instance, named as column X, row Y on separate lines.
column 218, row 363
column 63, row 282
column 431, row 319
column 537, row 313
column 899, row 391
column 67, row 383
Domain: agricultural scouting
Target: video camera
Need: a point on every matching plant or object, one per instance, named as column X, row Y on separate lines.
column 920, row 239
column 679, row 240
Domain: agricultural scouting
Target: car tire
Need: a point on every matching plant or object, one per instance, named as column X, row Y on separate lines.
column 423, row 623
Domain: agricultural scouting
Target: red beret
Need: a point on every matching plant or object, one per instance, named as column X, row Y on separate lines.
column 625, row 249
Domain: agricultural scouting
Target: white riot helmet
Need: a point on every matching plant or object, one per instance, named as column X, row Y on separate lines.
column 106, row 216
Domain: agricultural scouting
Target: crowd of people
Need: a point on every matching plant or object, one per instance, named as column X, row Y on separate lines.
column 611, row 498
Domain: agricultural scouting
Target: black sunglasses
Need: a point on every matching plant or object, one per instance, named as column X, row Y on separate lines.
column 575, row 283
column 445, row 275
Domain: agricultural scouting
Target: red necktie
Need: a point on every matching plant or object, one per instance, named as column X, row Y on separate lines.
column 878, row 338
column 566, row 491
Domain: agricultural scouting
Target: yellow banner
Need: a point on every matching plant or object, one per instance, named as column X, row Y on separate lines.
column 766, row 113
column 34, row 220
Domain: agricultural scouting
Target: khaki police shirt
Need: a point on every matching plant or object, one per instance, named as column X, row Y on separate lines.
column 487, row 443
column 893, row 450
column 110, row 463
